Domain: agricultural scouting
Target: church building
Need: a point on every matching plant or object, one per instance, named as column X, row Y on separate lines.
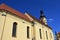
column 15, row 25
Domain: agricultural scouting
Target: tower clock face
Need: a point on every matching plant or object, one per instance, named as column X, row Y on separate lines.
column 45, row 20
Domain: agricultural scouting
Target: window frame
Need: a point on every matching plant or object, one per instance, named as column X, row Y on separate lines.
column 28, row 29
column 40, row 33
column 14, row 29
column 46, row 34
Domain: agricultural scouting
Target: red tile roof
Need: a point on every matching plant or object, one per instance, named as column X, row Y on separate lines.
column 19, row 14
column 13, row 11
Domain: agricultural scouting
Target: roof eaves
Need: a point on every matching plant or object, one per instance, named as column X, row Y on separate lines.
column 5, row 7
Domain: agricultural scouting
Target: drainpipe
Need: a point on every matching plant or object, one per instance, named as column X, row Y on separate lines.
column 3, row 25
column 33, row 30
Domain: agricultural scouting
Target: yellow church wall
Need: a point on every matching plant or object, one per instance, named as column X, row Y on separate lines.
column 21, row 33
column 46, row 29
column 37, row 33
column 49, row 33
column 52, row 35
column 43, row 32
column 21, row 28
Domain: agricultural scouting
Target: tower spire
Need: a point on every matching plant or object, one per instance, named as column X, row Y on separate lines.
column 42, row 17
column 42, row 14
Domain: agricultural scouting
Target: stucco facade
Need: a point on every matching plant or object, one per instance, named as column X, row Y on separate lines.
column 43, row 28
column 37, row 30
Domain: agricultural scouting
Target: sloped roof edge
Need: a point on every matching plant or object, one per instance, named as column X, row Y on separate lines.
column 39, row 21
column 21, row 15
column 13, row 11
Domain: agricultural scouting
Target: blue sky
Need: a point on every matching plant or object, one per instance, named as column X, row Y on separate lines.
column 51, row 9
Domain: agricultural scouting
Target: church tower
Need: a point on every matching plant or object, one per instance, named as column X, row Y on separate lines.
column 43, row 17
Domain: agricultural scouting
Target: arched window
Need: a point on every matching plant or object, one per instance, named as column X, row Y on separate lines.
column 40, row 33
column 27, row 31
column 14, row 29
column 46, row 35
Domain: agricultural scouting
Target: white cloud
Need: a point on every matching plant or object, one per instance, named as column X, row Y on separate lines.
column 50, row 20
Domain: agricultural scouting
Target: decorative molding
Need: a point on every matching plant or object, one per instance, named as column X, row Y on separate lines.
column 33, row 23
column 3, row 14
